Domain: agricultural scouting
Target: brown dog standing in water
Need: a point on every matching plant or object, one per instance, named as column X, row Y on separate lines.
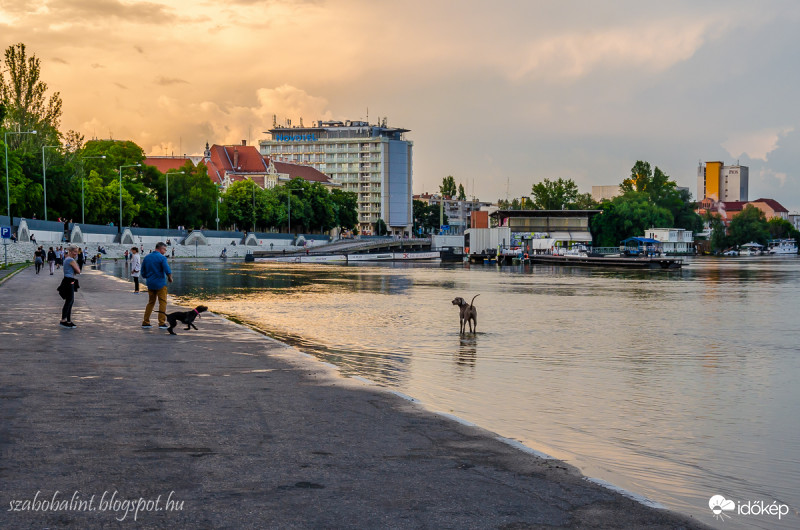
column 467, row 313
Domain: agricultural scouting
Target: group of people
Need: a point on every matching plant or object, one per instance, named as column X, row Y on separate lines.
column 154, row 269
column 55, row 258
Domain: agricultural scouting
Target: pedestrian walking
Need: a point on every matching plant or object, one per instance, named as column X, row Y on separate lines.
column 59, row 257
column 126, row 256
column 38, row 259
column 51, row 260
column 81, row 259
column 156, row 273
column 136, row 267
column 68, row 286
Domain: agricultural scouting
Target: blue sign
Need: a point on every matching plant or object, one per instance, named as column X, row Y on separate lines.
column 5, row 232
column 310, row 137
column 445, row 227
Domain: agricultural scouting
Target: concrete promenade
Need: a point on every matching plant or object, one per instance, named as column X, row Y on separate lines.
column 244, row 432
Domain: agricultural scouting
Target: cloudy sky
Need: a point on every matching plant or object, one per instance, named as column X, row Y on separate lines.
column 497, row 93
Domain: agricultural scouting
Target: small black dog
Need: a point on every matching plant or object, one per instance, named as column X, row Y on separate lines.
column 186, row 317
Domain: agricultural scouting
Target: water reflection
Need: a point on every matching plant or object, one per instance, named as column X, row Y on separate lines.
column 674, row 384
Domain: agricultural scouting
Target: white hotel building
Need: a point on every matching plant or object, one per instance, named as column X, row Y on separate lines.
column 373, row 161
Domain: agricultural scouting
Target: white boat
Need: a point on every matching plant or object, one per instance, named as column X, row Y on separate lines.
column 751, row 249
column 782, row 246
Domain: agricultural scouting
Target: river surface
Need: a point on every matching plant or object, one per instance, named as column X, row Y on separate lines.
column 675, row 385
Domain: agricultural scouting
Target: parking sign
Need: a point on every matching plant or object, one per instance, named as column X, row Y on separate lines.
column 5, row 232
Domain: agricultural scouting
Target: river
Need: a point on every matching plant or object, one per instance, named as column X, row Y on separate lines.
column 675, row 385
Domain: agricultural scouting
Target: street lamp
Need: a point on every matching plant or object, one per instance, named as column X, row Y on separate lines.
column 44, row 175
column 289, row 202
column 8, row 185
column 219, row 200
column 167, row 175
column 83, row 211
column 120, row 194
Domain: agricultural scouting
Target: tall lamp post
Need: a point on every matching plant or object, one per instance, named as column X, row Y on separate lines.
column 289, row 203
column 44, row 175
column 120, row 193
column 8, row 185
column 167, row 175
column 83, row 211
column 219, row 199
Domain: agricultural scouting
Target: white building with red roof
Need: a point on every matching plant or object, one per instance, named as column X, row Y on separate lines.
column 231, row 163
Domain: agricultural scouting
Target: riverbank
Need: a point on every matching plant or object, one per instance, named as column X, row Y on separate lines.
column 246, row 432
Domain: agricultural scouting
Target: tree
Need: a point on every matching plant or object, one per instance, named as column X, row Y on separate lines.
column 584, row 201
column 555, row 194
column 627, row 216
column 639, row 180
column 192, row 197
column 719, row 238
column 748, row 226
column 462, row 196
column 663, row 192
column 241, row 201
column 23, row 95
column 380, row 227
column 448, row 187
column 782, row 229
column 426, row 217
column 346, row 208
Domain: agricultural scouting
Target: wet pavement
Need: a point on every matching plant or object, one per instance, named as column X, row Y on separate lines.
column 224, row 428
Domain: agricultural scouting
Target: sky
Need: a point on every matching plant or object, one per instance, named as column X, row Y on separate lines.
column 499, row 94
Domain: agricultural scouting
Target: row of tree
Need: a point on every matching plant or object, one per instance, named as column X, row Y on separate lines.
column 82, row 180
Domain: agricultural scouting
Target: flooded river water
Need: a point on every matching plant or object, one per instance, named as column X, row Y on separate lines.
column 675, row 385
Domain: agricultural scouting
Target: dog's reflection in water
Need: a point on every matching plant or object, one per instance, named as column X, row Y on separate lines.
column 467, row 351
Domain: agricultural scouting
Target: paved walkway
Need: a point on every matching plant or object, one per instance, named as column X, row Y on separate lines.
column 244, row 432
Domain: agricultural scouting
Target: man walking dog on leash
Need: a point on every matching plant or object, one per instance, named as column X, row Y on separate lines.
column 156, row 273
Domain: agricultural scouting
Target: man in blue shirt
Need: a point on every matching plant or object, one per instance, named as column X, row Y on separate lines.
column 156, row 273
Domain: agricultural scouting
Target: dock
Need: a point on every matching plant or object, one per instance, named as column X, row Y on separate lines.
column 594, row 261
column 655, row 263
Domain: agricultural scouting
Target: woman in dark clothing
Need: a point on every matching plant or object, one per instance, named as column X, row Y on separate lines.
column 68, row 286
column 81, row 259
column 51, row 260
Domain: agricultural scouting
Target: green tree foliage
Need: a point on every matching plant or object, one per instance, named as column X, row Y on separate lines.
column 23, row 95
column 555, row 194
column 346, row 208
column 380, row 227
column 462, row 195
column 651, row 186
column 192, row 197
column 313, row 208
column 748, row 226
column 448, row 187
column 242, row 201
column 627, row 216
column 719, row 237
column 426, row 217
column 782, row 229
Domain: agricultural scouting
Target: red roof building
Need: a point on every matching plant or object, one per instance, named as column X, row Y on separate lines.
column 729, row 209
column 231, row 163
column 167, row 163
